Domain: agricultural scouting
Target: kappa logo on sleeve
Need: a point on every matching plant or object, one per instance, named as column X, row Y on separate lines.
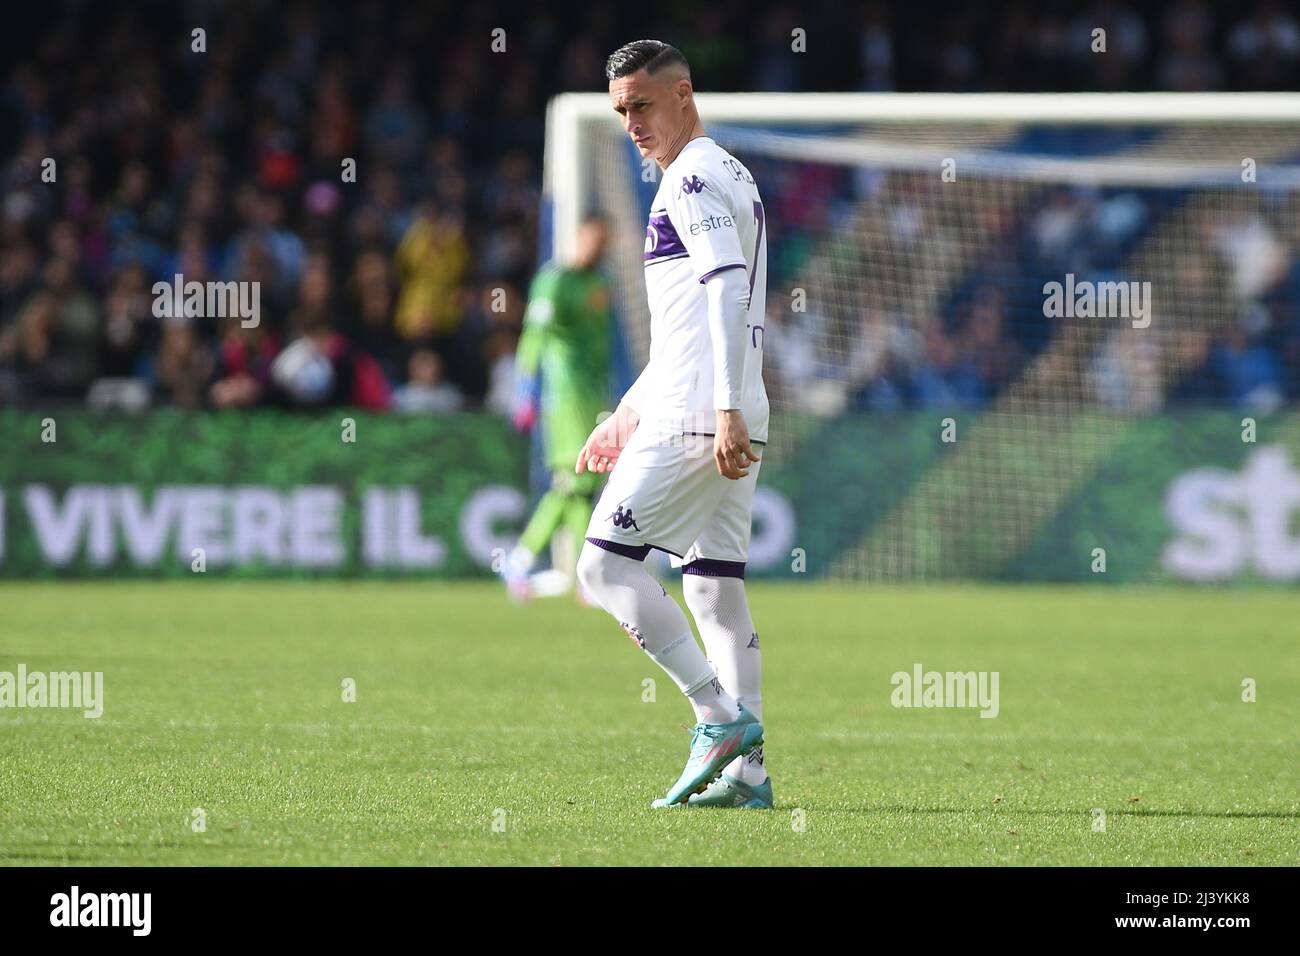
column 693, row 184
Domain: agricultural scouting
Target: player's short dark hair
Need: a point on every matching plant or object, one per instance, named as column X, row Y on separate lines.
column 652, row 55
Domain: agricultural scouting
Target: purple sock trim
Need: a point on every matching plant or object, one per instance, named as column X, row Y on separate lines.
column 709, row 568
column 636, row 552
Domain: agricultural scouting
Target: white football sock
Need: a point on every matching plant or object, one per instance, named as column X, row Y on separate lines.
column 650, row 617
column 722, row 615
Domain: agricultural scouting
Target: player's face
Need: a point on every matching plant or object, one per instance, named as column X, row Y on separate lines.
column 650, row 111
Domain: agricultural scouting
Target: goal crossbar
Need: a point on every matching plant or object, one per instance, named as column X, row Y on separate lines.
column 571, row 117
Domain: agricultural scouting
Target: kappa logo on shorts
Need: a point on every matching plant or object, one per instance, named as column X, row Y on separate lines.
column 623, row 519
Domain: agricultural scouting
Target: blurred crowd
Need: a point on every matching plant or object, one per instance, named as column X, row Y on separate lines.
column 918, row 307
column 376, row 169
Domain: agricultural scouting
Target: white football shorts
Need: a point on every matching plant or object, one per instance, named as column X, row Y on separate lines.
column 666, row 492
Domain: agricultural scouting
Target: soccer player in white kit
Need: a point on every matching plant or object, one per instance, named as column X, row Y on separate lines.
column 681, row 447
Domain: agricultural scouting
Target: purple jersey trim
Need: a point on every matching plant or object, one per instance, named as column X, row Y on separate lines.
column 680, row 255
column 661, row 239
column 712, row 272
column 752, row 441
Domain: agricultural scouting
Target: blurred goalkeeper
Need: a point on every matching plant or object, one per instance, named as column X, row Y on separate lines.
column 562, row 373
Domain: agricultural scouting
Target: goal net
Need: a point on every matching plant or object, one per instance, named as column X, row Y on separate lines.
column 987, row 313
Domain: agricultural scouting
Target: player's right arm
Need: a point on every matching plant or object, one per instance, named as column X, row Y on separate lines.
column 635, row 397
column 607, row 440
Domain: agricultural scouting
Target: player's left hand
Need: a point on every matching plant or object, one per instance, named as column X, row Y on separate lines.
column 732, row 452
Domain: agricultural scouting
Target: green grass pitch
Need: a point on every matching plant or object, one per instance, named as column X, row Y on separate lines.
column 486, row 733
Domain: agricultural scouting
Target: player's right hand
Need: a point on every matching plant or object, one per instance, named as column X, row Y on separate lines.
column 606, row 442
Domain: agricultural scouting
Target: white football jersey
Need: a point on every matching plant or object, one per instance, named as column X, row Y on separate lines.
column 707, row 216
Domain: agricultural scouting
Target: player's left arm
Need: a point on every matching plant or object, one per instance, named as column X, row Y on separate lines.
column 709, row 229
column 728, row 294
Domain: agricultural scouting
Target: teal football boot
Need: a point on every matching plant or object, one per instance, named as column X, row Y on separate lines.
column 713, row 746
column 728, row 791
